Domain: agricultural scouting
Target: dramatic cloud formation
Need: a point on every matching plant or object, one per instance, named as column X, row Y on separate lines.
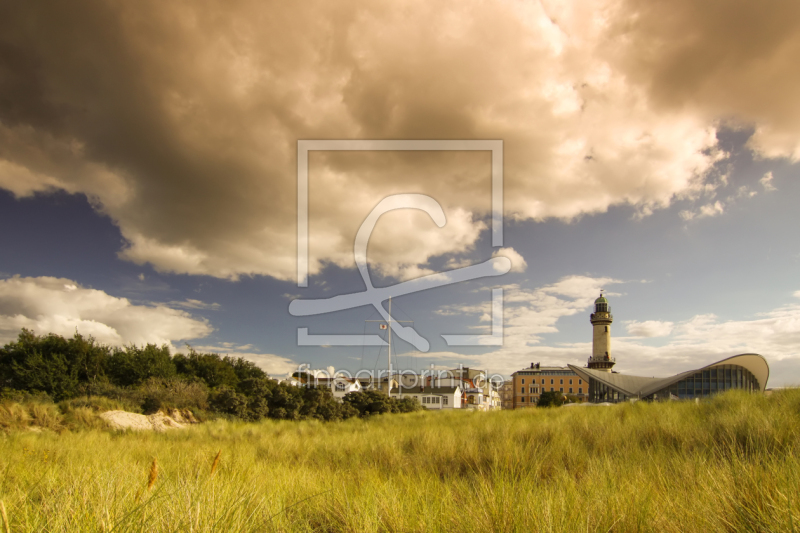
column 57, row 305
column 180, row 120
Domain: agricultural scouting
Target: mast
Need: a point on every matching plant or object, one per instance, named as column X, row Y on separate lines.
column 389, row 369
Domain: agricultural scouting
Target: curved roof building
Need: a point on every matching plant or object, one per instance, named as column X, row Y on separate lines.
column 746, row 371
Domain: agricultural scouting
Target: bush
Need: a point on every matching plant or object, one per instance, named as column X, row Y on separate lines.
column 373, row 402
column 551, row 399
column 228, row 401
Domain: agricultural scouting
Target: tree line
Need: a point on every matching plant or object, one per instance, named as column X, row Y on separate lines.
column 150, row 378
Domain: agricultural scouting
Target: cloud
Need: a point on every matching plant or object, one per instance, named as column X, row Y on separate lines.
column 184, row 134
column 528, row 315
column 716, row 60
column 766, row 182
column 705, row 211
column 518, row 263
column 691, row 343
column 59, row 305
column 649, row 328
column 274, row 365
column 190, row 303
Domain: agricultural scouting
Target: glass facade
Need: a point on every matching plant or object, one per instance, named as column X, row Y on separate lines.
column 701, row 384
column 709, row 381
column 600, row 392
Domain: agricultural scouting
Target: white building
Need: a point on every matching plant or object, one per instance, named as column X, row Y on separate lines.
column 339, row 385
column 433, row 397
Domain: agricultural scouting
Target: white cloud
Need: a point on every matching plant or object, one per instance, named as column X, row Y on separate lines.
column 58, row 305
column 275, row 365
column 766, row 182
column 711, row 210
column 707, row 210
column 649, row 328
column 518, row 263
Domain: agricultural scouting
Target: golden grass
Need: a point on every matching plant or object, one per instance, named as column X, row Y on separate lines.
column 5, row 517
column 215, row 464
column 153, row 477
column 731, row 464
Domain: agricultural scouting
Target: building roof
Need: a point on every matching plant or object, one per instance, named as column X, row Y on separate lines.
column 430, row 390
column 601, row 300
column 643, row 386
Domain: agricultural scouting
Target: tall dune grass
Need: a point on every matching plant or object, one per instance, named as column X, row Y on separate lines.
column 730, row 464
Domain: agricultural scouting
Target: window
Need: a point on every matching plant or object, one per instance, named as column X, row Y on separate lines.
column 562, row 382
column 551, row 382
column 340, row 387
column 444, row 400
column 570, row 382
column 522, row 399
column 580, row 390
column 580, row 382
column 570, row 390
column 561, row 389
column 523, row 381
column 552, row 389
column 522, row 390
column 542, row 382
column 606, row 329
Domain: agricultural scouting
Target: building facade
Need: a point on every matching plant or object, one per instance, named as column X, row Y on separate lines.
column 507, row 395
column 529, row 383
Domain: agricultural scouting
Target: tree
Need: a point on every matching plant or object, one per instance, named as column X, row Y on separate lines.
column 133, row 365
column 52, row 364
column 258, row 392
column 245, row 369
column 209, row 367
column 551, row 399
column 228, row 401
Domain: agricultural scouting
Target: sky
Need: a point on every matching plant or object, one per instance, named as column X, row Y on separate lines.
column 149, row 176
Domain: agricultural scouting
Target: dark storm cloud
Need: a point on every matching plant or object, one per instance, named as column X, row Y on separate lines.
column 180, row 120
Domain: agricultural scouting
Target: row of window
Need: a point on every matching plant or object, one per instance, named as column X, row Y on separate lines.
column 434, row 400
column 535, row 390
column 552, row 382
column 545, row 373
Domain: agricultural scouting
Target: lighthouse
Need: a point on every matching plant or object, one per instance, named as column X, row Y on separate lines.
column 601, row 321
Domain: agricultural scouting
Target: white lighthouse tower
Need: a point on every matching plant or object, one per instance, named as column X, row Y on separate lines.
column 601, row 338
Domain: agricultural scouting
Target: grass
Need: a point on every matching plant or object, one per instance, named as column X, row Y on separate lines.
column 730, row 464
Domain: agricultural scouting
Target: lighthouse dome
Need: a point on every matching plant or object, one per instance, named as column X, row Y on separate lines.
column 601, row 305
